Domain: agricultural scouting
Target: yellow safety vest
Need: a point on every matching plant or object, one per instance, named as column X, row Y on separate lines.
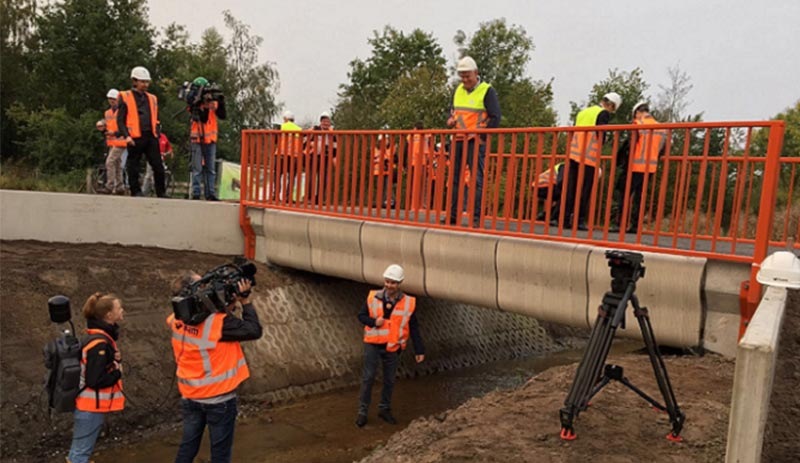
column 586, row 144
column 290, row 145
column 468, row 108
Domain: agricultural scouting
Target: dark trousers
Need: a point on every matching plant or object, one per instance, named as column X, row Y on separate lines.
column 147, row 145
column 221, row 420
column 373, row 353
column 572, row 190
column 455, row 180
column 637, row 188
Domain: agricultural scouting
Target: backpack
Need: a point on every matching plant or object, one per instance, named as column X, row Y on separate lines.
column 62, row 358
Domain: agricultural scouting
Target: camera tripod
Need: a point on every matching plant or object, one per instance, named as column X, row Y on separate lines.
column 594, row 374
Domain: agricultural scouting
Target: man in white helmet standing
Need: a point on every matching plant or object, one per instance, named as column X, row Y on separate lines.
column 584, row 155
column 389, row 320
column 139, row 126
column 116, row 147
column 475, row 106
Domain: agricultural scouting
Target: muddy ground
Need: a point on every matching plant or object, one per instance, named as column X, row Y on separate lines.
column 516, row 425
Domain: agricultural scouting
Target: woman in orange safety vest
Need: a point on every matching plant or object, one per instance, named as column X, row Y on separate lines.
column 101, row 374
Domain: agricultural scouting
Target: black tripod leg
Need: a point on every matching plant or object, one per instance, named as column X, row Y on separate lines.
column 676, row 417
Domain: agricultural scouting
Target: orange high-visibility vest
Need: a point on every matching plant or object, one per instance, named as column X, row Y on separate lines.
column 103, row 400
column 585, row 146
column 111, row 129
column 206, row 133
column 419, row 149
column 206, row 366
column 132, row 121
column 648, row 144
column 395, row 331
column 549, row 177
column 383, row 160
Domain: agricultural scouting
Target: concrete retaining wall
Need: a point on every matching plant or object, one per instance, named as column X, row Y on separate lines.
column 82, row 218
column 752, row 383
column 556, row 282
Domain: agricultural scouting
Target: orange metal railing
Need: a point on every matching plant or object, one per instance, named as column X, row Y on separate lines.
column 714, row 194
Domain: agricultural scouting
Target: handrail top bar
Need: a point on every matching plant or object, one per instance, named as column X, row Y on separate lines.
column 617, row 127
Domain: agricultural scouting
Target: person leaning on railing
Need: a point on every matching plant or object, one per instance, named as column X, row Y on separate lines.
column 585, row 150
column 475, row 106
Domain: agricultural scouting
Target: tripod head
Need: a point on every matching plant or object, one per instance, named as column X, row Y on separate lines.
column 626, row 268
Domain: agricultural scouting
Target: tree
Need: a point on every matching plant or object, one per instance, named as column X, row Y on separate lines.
column 503, row 53
column 249, row 86
column 671, row 102
column 630, row 86
column 18, row 20
column 395, row 55
column 420, row 95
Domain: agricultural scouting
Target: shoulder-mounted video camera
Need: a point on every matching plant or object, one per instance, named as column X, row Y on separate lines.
column 215, row 291
column 194, row 95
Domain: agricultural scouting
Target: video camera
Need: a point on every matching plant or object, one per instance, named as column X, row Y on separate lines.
column 215, row 291
column 625, row 267
column 194, row 94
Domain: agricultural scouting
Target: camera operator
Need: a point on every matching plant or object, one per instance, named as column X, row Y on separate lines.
column 210, row 366
column 204, row 139
column 101, row 374
column 137, row 120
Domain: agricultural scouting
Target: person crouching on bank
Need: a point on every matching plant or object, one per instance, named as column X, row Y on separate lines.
column 389, row 319
column 210, row 366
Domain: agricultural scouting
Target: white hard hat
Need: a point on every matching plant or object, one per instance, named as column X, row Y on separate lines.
column 394, row 272
column 100, row 124
column 614, row 98
column 140, row 73
column 466, row 64
column 637, row 105
column 113, row 94
column 288, row 115
column 324, row 115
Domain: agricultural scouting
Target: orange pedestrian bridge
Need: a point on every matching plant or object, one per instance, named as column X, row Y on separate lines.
column 718, row 198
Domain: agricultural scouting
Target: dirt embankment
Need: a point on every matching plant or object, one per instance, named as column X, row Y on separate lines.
column 34, row 271
column 522, row 425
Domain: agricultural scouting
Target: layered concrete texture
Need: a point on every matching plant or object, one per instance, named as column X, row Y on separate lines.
column 544, row 280
column 752, row 387
column 313, row 341
column 384, row 244
column 336, row 247
column 671, row 290
column 721, row 290
column 82, row 218
column 461, row 267
column 287, row 242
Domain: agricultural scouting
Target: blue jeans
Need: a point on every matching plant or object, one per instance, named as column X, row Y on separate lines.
column 84, row 435
column 455, row 180
column 204, row 168
column 374, row 353
column 221, row 419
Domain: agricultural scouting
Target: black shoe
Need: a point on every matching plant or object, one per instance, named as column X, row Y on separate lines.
column 447, row 221
column 386, row 415
column 582, row 226
column 212, row 198
column 361, row 420
column 195, row 196
column 477, row 223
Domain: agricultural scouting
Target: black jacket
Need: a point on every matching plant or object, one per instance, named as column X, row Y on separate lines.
column 100, row 370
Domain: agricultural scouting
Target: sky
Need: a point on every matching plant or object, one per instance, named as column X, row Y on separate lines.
column 743, row 56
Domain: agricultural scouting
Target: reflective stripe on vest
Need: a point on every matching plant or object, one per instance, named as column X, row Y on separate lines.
column 648, row 144
column 206, row 133
column 468, row 108
column 549, row 177
column 112, row 128
column 132, row 121
column 585, row 146
column 383, row 161
column 103, row 400
column 395, row 331
column 206, row 367
column 289, row 144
